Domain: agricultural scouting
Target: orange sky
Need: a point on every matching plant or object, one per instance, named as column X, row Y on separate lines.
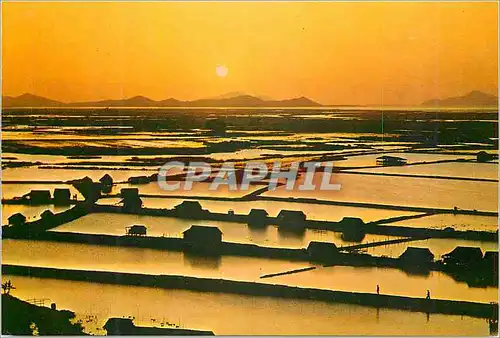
column 335, row 53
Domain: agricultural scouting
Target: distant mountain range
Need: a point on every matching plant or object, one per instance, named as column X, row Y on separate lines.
column 472, row 99
column 238, row 100
column 234, row 99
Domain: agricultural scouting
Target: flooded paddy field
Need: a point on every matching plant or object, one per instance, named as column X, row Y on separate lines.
column 63, row 175
column 437, row 246
column 119, row 160
column 270, row 236
column 152, row 307
column 132, row 143
column 316, row 212
column 457, row 222
column 155, row 262
column 119, row 132
column 148, row 261
column 68, row 142
column 32, row 212
column 63, row 145
column 371, row 160
column 250, row 168
column 9, row 191
column 456, row 169
column 429, row 193
column 198, row 189
column 332, row 213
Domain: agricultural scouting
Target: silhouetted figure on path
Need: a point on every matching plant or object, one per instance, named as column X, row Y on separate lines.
column 428, row 295
column 378, row 289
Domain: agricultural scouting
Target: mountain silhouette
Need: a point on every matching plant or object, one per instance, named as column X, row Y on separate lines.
column 30, row 100
column 226, row 95
column 231, row 95
column 298, row 102
column 237, row 101
column 136, row 101
column 472, row 99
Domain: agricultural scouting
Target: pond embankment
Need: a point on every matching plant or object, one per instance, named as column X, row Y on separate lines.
column 480, row 310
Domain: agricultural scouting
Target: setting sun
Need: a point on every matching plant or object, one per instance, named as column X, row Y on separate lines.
column 336, row 53
column 221, row 71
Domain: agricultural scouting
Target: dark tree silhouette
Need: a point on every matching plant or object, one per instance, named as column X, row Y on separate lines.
column 7, row 286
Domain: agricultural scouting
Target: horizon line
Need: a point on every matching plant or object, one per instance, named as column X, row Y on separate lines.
column 313, row 103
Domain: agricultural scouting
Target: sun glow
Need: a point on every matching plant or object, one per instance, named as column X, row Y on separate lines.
column 333, row 52
column 221, row 71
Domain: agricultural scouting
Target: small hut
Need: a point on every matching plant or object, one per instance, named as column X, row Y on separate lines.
column 353, row 229
column 129, row 193
column 202, row 237
column 62, row 196
column 136, row 230
column 39, row 197
column 106, row 183
column 17, row 219
column 106, row 180
column 130, row 199
column 291, row 219
column 463, row 256
column 417, row 256
column 483, row 156
column 47, row 215
column 189, row 209
column 322, row 251
column 257, row 217
column 119, row 326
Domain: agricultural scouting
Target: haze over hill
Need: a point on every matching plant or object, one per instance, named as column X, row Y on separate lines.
column 239, row 93
column 336, row 53
column 30, row 100
column 472, row 99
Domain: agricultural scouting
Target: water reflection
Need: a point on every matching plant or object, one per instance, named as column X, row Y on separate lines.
column 272, row 235
column 32, row 212
column 39, row 174
column 227, row 314
column 406, row 191
column 455, row 169
column 115, row 224
column 370, row 160
column 212, row 262
column 157, row 262
column 456, row 221
column 291, row 233
column 10, row 191
column 313, row 211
